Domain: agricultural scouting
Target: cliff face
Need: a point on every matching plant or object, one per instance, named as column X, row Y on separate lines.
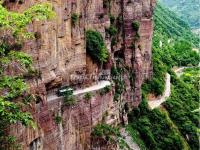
column 59, row 54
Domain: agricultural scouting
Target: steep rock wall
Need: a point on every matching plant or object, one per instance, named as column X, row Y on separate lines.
column 73, row 133
column 138, row 58
column 59, row 53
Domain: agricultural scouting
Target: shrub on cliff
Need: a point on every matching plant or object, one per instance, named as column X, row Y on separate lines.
column 135, row 25
column 58, row 119
column 16, row 23
column 113, row 41
column 112, row 19
column 74, row 18
column 69, row 99
column 87, row 96
column 95, row 46
column 105, row 90
column 106, row 133
column 117, row 73
column 112, row 31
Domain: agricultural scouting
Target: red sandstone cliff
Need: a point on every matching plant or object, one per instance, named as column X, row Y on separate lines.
column 59, row 52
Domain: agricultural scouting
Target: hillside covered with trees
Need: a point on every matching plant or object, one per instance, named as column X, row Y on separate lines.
column 187, row 10
column 175, row 124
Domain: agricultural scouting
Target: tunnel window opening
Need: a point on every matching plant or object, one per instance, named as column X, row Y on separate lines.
column 21, row 2
column 36, row 144
column 126, row 107
column 12, row 1
column 38, row 99
column 119, row 54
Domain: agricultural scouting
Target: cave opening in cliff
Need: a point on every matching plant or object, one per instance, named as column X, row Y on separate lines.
column 38, row 99
column 12, row 1
column 36, row 144
column 119, row 55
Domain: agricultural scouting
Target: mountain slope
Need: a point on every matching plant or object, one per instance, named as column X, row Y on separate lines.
column 173, row 125
column 172, row 26
column 188, row 10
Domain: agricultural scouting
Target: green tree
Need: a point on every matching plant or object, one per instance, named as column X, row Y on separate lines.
column 95, row 46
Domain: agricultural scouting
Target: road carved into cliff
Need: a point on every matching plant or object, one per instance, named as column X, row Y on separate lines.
column 98, row 86
column 157, row 102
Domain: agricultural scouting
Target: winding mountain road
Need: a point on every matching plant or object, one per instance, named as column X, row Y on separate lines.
column 98, row 86
column 157, row 102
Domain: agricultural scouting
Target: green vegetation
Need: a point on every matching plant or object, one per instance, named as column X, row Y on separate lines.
column 69, row 100
column 18, row 21
column 104, row 133
column 135, row 136
column 183, row 100
column 58, row 119
column 133, row 46
column 186, row 10
column 153, row 129
column 105, row 114
column 174, row 126
column 88, row 96
column 95, row 46
column 112, row 19
column 112, row 31
column 74, row 18
column 168, row 23
column 105, row 90
column 191, row 77
column 14, row 85
column 11, row 87
column 172, row 46
column 157, row 84
column 135, row 26
column 137, row 36
column 113, row 42
column 117, row 74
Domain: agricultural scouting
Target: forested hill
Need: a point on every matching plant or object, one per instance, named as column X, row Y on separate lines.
column 168, row 23
column 173, row 126
column 173, row 42
column 188, row 10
